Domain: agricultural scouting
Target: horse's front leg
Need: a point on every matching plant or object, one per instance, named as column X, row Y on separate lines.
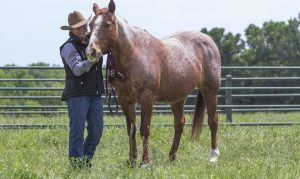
column 146, row 101
column 129, row 111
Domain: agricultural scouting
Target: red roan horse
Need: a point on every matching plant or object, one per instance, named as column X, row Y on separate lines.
column 159, row 70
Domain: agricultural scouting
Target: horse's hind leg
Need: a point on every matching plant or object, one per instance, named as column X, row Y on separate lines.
column 211, row 102
column 179, row 121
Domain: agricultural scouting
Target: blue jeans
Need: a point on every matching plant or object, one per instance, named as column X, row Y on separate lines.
column 84, row 110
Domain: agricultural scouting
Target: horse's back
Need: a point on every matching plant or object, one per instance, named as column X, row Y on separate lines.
column 197, row 41
column 195, row 47
column 190, row 59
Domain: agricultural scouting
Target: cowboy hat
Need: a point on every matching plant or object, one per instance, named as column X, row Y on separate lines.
column 75, row 20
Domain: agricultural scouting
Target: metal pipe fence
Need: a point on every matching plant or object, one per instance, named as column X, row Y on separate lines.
column 230, row 93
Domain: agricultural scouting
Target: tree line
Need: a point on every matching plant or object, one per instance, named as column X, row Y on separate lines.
column 273, row 44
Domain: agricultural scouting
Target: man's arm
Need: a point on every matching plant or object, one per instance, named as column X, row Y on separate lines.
column 74, row 61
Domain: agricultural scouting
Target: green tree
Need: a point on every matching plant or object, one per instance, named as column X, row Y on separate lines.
column 275, row 44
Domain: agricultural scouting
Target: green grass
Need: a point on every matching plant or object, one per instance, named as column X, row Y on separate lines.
column 245, row 152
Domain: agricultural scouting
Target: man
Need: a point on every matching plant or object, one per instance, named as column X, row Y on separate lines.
column 82, row 92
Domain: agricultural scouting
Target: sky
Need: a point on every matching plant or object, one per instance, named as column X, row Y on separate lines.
column 30, row 29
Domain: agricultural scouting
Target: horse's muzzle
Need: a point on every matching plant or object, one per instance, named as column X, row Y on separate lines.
column 93, row 54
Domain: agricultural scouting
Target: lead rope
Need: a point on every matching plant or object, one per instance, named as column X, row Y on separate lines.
column 108, row 83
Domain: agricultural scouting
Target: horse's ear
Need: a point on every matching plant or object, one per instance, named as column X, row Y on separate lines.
column 111, row 6
column 96, row 8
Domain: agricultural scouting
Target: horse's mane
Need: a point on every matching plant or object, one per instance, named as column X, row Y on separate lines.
column 124, row 22
column 139, row 28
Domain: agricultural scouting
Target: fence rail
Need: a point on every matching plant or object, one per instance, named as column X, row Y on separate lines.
column 228, row 93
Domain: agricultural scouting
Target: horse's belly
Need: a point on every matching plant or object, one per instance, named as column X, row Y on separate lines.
column 174, row 92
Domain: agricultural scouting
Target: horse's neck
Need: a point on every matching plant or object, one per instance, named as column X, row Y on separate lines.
column 129, row 42
column 124, row 44
column 125, row 36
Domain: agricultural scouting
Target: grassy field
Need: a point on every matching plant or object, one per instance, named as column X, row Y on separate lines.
column 245, row 152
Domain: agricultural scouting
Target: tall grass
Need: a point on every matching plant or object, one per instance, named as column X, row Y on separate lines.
column 245, row 152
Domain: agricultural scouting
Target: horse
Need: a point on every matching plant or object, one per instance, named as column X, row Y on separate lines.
column 164, row 70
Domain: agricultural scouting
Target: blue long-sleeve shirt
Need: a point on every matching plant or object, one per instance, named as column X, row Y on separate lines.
column 74, row 61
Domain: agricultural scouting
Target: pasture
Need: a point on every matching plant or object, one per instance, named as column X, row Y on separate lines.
column 245, row 152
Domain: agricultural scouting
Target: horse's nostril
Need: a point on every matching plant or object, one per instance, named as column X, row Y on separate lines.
column 93, row 52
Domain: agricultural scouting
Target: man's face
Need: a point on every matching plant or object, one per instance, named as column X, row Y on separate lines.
column 81, row 31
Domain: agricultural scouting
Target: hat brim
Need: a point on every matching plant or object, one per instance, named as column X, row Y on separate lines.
column 65, row 27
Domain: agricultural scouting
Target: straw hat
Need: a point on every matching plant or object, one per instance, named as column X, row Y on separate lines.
column 75, row 20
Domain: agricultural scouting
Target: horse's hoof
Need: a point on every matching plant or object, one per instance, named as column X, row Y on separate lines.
column 214, row 153
column 131, row 163
column 172, row 158
column 144, row 165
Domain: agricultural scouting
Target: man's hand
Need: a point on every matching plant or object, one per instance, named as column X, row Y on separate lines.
column 93, row 60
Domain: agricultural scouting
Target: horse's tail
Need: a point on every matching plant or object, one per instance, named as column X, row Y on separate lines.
column 198, row 117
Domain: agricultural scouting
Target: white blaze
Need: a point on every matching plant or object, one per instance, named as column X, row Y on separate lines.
column 95, row 30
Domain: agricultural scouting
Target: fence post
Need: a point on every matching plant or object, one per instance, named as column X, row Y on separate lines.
column 229, row 99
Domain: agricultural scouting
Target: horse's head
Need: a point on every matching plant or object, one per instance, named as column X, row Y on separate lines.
column 103, row 31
